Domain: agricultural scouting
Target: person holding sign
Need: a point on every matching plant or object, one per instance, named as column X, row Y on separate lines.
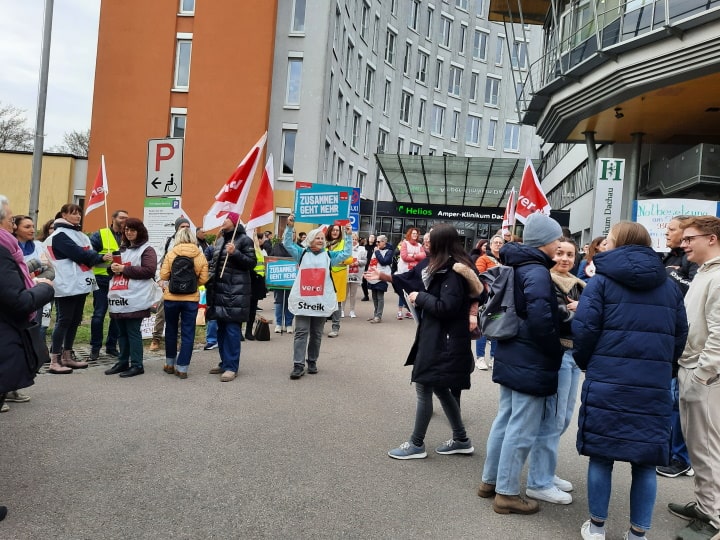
column 336, row 244
column 312, row 297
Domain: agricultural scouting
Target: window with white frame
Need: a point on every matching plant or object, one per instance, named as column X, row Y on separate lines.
column 349, row 55
column 364, row 21
column 511, row 142
column 360, row 183
column 422, row 65
column 407, row 59
column 178, row 121
column 359, row 73
column 338, row 112
column 182, row 63
column 480, row 8
column 414, row 16
column 462, row 4
column 519, row 87
column 415, row 149
column 393, row 6
column 499, row 50
column 187, row 7
column 390, row 44
column 382, row 141
column 438, row 119
column 386, row 96
column 376, row 33
column 298, row 17
column 326, row 162
column 480, row 45
column 288, row 151
column 346, row 121
column 421, row 114
column 340, row 168
column 405, row 106
column 429, row 22
column 445, row 31
column 492, row 91
column 462, row 36
column 455, row 125
column 474, row 78
column 519, row 55
column 472, row 130
column 492, row 131
column 366, row 139
column 369, row 89
column 349, row 175
column 455, row 81
column 438, row 73
column 355, row 139
column 294, row 81
column 400, row 145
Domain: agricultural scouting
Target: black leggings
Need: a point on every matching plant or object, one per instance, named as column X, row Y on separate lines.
column 424, row 412
column 69, row 311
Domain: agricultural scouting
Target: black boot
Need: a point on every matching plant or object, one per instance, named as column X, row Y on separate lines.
column 117, row 368
column 249, row 336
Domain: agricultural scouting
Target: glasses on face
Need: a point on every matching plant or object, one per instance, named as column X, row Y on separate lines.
column 130, row 231
column 688, row 239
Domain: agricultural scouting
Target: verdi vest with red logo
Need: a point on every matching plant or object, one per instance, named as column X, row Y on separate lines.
column 313, row 292
column 130, row 295
column 71, row 278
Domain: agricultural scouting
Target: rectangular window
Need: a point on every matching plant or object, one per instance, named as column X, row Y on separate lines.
column 400, row 145
column 480, row 8
column 445, row 31
column 366, row 140
column 408, row 59
column 294, row 81
column 414, row 149
column 414, row 14
column 438, row 74
column 518, row 94
column 386, row 96
column 499, row 51
column 429, row 23
column 187, row 6
column 349, row 54
column 492, row 91
column 474, row 77
column 422, row 64
column 462, row 4
column 455, row 81
column 346, row 120
column 393, row 6
column 455, row 125
column 438, row 119
column 298, row 18
column 338, row 113
column 390, row 41
column 364, row 21
column 340, row 167
column 519, row 55
column 382, row 141
column 376, row 34
column 480, row 45
column 492, row 129
column 355, row 130
column 358, row 73
column 421, row 114
column 288, row 151
column 369, row 84
column 405, row 107
column 182, row 63
column 461, row 39
column 360, row 180
column 177, row 125
column 472, row 130
column 511, row 142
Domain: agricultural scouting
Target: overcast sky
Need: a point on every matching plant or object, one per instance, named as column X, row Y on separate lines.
column 72, row 62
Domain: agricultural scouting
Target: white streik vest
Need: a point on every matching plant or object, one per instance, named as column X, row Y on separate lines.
column 41, row 254
column 128, row 295
column 313, row 293
column 71, row 278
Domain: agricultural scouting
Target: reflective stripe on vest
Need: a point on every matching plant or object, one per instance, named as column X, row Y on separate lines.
column 109, row 244
column 260, row 266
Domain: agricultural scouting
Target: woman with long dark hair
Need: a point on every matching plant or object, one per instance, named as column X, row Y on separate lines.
column 586, row 268
column 441, row 355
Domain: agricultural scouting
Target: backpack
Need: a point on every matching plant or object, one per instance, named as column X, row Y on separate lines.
column 498, row 318
column 183, row 279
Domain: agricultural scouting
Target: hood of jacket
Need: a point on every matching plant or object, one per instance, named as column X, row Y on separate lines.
column 515, row 254
column 636, row 267
column 186, row 250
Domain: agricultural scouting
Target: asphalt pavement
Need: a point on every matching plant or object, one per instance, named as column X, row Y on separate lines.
column 154, row 457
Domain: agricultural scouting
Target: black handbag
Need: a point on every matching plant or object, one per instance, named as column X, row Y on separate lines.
column 261, row 331
column 36, row 351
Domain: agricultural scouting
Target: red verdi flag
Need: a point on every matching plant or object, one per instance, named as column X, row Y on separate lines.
column 531, row 197
column 99, row 190
column 264, row 205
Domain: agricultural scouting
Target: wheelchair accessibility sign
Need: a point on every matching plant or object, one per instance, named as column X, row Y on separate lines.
column 164, row 168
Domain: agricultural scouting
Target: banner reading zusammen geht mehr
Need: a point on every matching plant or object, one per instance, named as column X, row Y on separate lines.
column 608, row 195
column 321, row 203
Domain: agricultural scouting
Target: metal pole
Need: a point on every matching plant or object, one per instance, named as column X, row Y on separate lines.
column 40, row 119
column 373, row 223
column 633, row 173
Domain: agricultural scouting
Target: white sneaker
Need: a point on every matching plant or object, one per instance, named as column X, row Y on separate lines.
column 278, row 329
column 342, row 313
column 352, row 315
column 480, row 364
column 491, row 363
column 552, row 495
column 562, row 485
column 587, row 535
column 289, row 329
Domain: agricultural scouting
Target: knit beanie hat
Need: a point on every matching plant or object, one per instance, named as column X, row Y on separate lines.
column 232, row 216
column 540, row 230
column 179, row 221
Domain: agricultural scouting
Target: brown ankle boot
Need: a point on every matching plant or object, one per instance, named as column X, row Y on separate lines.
column 56, row 367
column 514, row 504
column 486, row 490
column 68, row 359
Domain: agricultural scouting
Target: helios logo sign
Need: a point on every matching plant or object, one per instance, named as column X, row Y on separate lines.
column 608, row 195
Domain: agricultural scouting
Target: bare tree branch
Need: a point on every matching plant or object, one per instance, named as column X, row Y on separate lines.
column 14, row 132
column 75, row 143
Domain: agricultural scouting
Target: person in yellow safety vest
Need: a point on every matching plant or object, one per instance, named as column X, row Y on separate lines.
column 336, row 242
column 259, row 290
column 104, row 241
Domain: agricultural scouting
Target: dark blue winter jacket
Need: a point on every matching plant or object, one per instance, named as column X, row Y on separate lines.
column 530, row 361
column 629, row 329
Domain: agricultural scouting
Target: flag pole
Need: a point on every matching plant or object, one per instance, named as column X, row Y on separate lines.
column 232, row 241
column 102, row 166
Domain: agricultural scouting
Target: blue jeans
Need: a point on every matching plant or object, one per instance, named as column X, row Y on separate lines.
column 480, row 347
column 211, row 332
column 678, row 448
column 186, row 313
column 642, row 491
column 229, row 334
column 100, row 307
column 511, row 437
column 558, row 415
column 424, row 411
column 281, row 308
column 130, row 342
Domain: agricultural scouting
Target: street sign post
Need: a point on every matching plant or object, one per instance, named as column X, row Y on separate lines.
column 164, row 168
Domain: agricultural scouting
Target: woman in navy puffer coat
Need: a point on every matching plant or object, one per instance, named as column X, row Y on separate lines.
column 629, row 330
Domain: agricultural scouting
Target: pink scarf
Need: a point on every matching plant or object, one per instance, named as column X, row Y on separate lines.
column 9, row 242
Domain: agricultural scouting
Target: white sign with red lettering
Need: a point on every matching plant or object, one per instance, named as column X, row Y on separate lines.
column 164, row 168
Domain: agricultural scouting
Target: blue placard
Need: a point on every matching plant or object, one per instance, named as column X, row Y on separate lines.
column 280, row 272
column 355, row 209
column 320, row 203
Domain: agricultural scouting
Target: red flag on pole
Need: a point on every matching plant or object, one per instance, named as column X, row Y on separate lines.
column 531, row 197
column 99, row 190
column 263, row 207
column 509, row 215
column 233, row 195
